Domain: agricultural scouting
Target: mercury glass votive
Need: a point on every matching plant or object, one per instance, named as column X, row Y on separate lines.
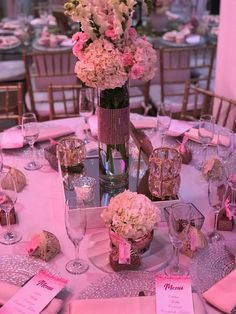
column 84, row 188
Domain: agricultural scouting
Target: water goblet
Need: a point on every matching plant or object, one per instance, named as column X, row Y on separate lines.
column 86, row 107
column 164, row 114
column 217, row 188
column 8, row 197
column 230, row 169
column 205, row 133
column 178, row 221
column 30, row 132
column 224, row 144
column 75, row 222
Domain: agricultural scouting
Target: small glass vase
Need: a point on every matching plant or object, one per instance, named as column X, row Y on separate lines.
column 113, row 137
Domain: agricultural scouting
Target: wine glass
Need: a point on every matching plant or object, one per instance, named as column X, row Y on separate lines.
column 164, row 114
column 178, row 221
column 86, row 107
column 224, row 144
column 217, row 188
column 8, row 197
column 30, row 132
column 230, row 169
column 205, row 133
column 75, row 222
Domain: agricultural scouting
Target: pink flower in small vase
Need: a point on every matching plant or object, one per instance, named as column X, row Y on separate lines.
column 136, row 72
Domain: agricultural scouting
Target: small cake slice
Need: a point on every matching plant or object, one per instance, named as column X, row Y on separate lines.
column 44, row 245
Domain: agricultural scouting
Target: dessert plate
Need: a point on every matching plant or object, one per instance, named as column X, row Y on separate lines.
column 156, row 258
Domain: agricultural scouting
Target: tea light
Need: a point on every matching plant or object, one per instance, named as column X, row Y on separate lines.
column 85, row 188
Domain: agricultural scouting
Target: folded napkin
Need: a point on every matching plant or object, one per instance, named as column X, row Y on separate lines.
column 7, row 290
column 223, row 294
column 137, row 305
column 178, row 127
column 13, row 138
column 192, row 134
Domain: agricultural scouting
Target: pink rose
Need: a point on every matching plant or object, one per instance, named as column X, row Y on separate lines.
column 80, row 39
column 127, row 59
column 75, row 37
column 111, row 33
column 132, row 33
column 136, row 71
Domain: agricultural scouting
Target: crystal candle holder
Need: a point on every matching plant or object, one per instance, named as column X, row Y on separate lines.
column 84, row 188
column 164, row 172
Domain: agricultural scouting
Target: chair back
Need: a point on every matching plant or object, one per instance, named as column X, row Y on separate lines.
column 43, row 69
column 11, row 103
column 63, row 101
column 206, row 101
column 177, row 65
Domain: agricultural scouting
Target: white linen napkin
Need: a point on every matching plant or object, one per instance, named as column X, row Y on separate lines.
column 223, row 294
column 192, row 134
column 178, row 127
column 7, row 290
column 137, row 305
column 13, row 138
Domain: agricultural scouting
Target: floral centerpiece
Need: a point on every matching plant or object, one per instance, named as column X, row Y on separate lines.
column 110, row 53
column 130, row 217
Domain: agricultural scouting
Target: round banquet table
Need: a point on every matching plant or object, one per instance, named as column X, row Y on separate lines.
column 40, row 206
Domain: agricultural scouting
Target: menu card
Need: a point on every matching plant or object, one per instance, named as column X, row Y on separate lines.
column 173, row 295
column 35, row 295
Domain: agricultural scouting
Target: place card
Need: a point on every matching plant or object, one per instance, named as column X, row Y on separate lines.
column 173, row 295
column 34, row 296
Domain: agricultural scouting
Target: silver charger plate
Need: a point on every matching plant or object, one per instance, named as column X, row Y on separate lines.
column 122, row 284
column 18, row 269
column 212, row 264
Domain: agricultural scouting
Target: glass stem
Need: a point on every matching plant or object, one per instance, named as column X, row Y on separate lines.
column 215, row 221
column 177, row 258
column 77, row 244
column 204, row 153
column 8, row 221
column 32, row 153
column 162, row 139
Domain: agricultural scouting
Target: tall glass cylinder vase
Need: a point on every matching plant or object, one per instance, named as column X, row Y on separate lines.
column 113, row 137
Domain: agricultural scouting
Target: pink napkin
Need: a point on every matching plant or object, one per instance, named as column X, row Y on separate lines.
column 192, row 134
column 137, row 305
column 223, row 294
column 8, row 290
column 13, row 138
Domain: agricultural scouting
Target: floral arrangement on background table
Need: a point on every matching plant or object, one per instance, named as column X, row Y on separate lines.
column 110, row 53
column 131, row 218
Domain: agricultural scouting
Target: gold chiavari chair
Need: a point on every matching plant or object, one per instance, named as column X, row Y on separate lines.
column 63, row 101
column 11, row 105
column 206, row 101
column 43, row 69
column 178, row 65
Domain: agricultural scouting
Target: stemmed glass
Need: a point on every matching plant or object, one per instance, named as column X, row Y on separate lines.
column 164, row 114
column 75, row 222
column 217, row 188
column 8, row 197
column 86, row 107
column 206, row 133
column 30, row 132
column 224, row 144
column 230, row 168
column 178, row 220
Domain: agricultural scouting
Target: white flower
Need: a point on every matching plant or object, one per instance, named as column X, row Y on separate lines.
column 131, row 215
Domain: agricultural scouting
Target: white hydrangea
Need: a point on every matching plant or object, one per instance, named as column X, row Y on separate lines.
column 131, row 215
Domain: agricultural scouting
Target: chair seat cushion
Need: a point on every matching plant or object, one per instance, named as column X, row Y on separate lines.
column 12, row 70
